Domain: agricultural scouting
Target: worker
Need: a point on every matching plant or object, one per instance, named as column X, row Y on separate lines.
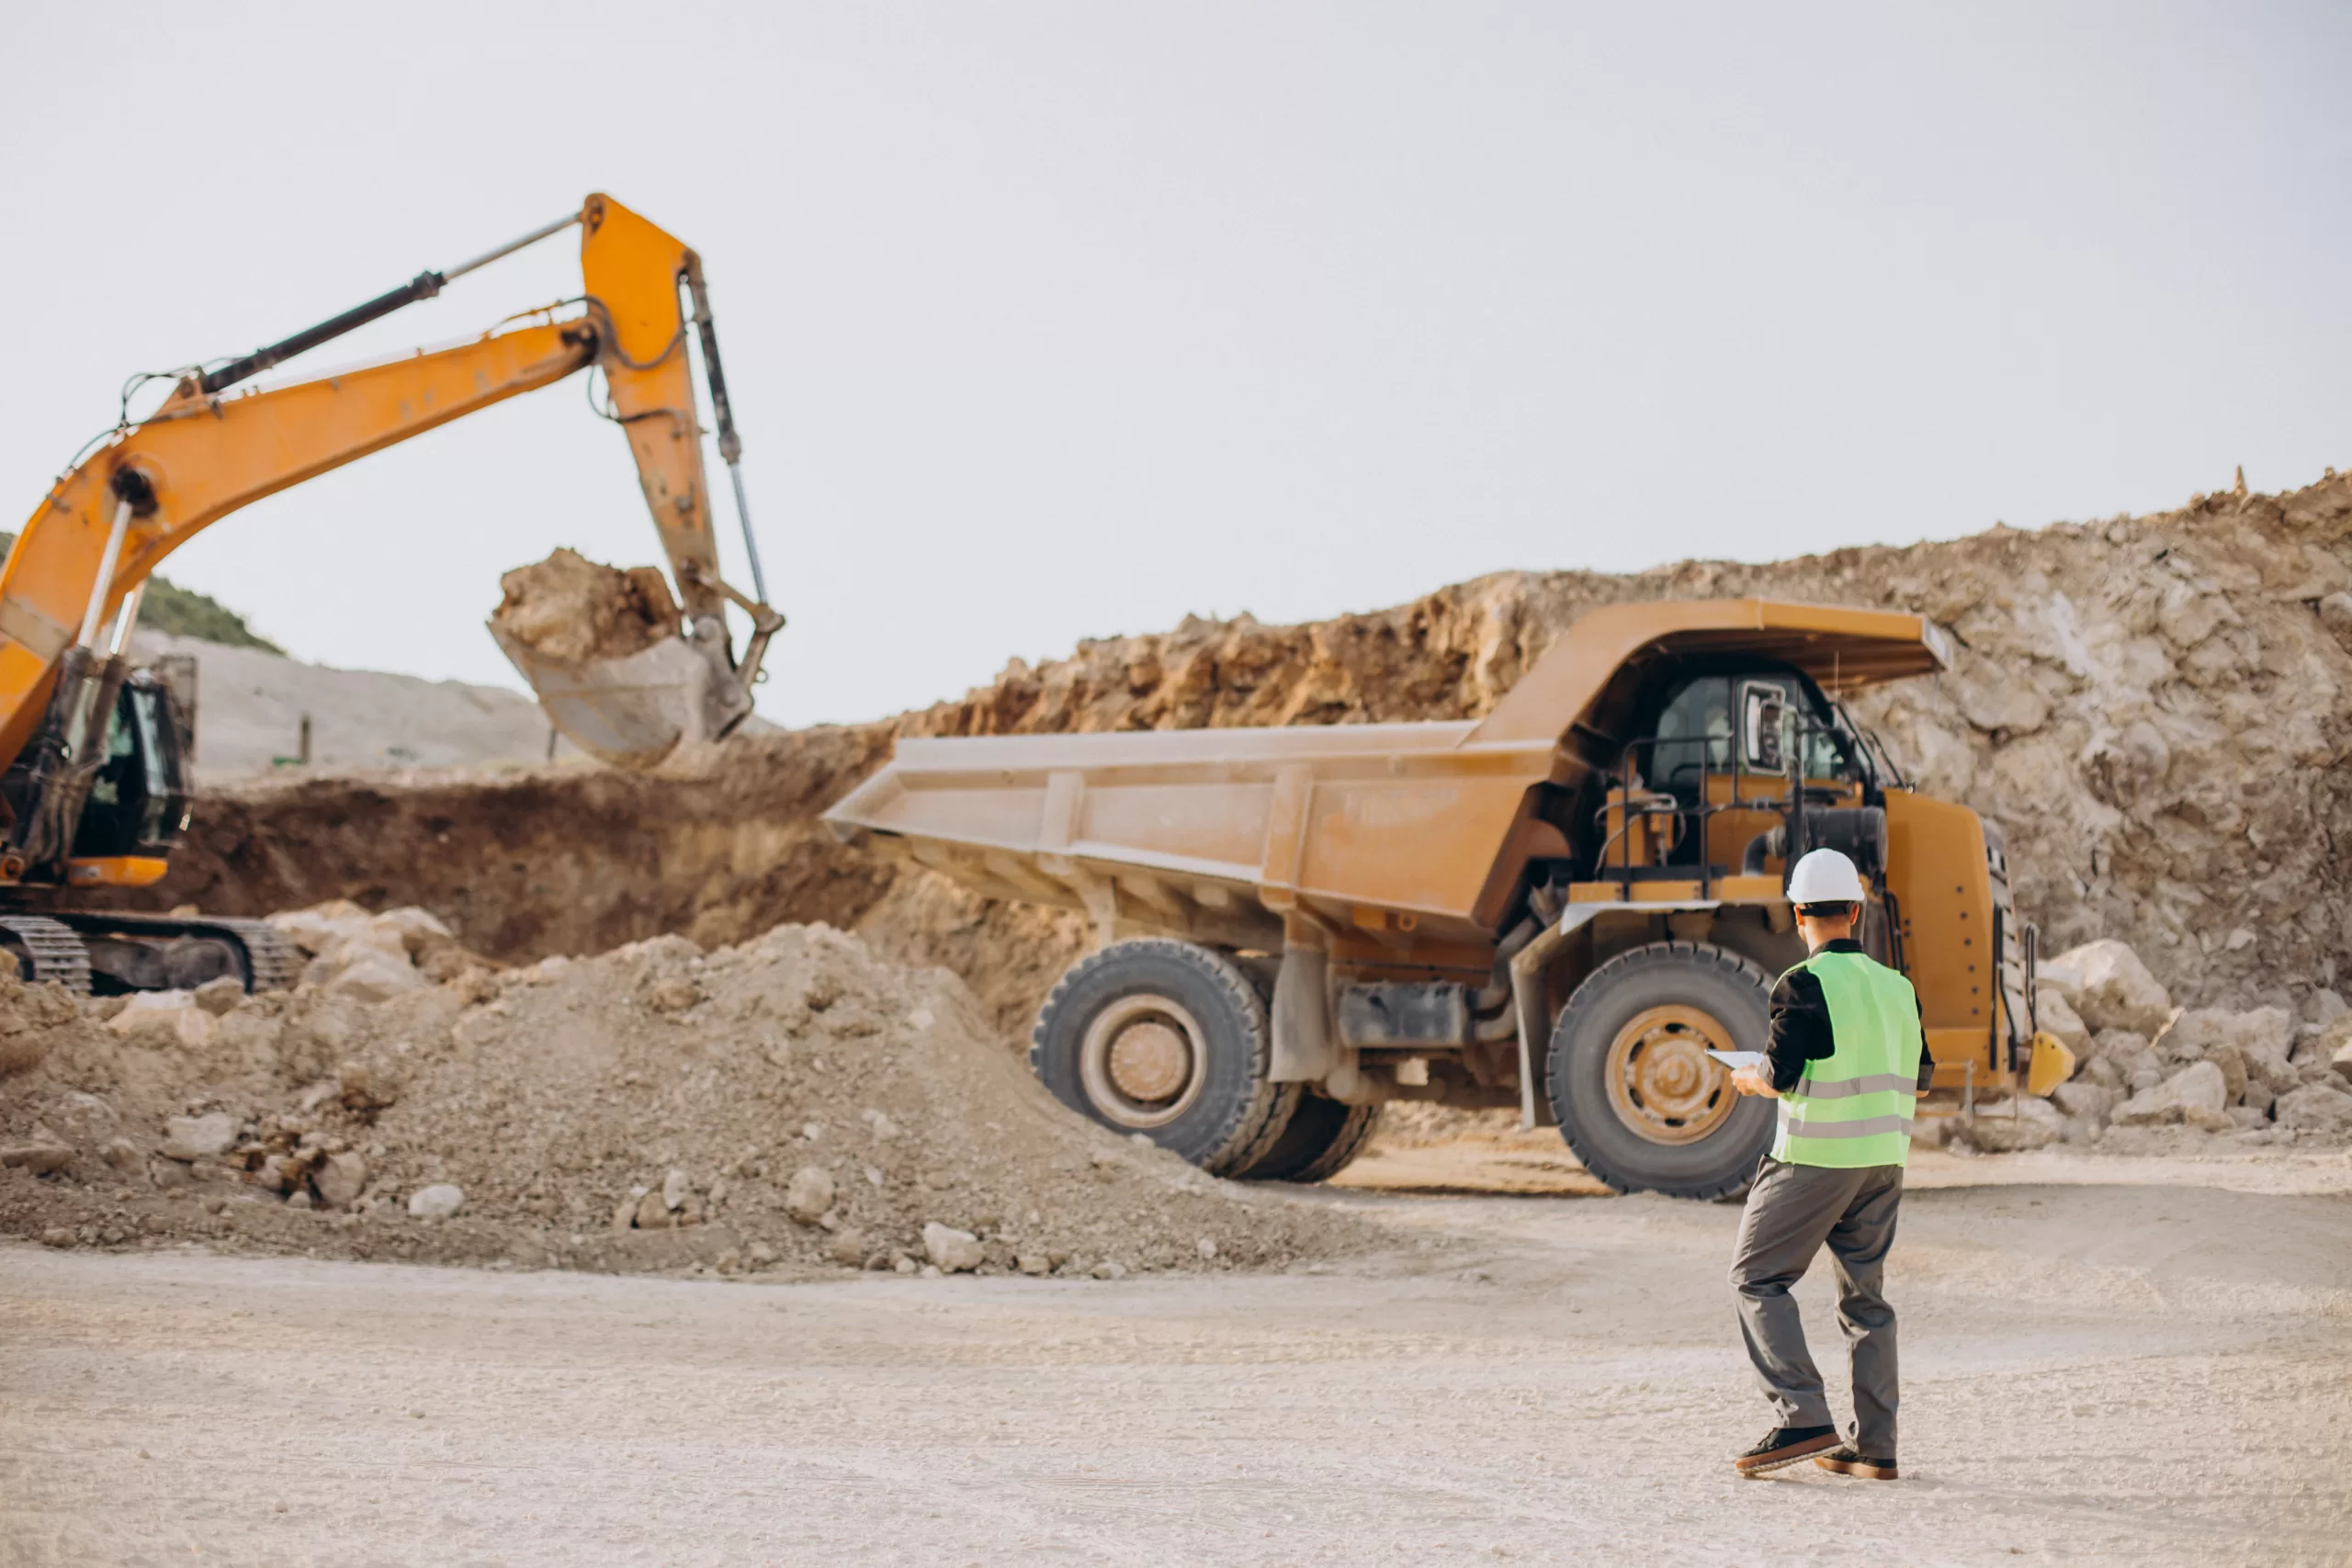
column 1844, row 1058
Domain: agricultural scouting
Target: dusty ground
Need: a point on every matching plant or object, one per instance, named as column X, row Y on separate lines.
column 2153, row 1369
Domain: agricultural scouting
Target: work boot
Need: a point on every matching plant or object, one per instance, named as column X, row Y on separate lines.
column 1785, row 1445
column 1845, row 1460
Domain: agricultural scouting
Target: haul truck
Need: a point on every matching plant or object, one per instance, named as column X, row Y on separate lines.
column 1559, row 908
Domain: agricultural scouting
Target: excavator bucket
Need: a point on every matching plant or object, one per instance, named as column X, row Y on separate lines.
column 633, row 711
column 600, row 647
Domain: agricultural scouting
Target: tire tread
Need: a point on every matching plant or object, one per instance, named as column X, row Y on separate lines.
column 1257, row 1121
column 1682, row 955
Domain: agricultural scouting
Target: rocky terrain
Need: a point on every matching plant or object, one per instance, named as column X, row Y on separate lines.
column 756, row 1070
column 2152, row 1078
column 792, row 1104
column 2153, row 708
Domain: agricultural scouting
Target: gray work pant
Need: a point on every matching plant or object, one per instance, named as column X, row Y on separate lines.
column 1792, row 1209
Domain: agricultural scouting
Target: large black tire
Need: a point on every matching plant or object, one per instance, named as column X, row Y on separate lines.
column 1322, row 1138
column 1670, row 1121
column 1141, row 1016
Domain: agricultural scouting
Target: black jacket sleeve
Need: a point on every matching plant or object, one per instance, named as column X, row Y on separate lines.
column 1927, row 1061
column 1800, row 1031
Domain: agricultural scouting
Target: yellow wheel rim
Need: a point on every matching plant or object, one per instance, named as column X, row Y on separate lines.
column 1662, row 1083
column 1143, row 1062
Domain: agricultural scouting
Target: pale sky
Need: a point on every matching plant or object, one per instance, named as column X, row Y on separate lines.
column 1055, row 320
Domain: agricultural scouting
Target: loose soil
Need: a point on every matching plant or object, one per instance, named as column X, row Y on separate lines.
column 575, row 610
column 654, row 1108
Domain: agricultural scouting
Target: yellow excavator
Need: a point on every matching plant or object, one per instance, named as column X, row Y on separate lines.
column 94, row 780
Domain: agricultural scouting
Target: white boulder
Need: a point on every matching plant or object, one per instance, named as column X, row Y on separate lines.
column 197, row 1137
column 2013, row 1126
column 372, row 976
column 2315, row 1107
column 438, row 1201
column 2260, row 1041
column 2197, row 1095
column 2116, row 991
column 320, row 926
column 2085, row 1099
column 951, row 1250
column 808, row 1196
column 164, row 1019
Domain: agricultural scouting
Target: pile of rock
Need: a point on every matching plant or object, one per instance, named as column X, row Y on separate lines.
column 2140, row 1061
column 793, row 1104
column 376, row 957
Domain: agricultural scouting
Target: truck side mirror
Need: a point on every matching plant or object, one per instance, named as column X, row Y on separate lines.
column 1763, row 721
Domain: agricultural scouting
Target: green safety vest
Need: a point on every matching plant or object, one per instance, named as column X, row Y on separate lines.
column 1853, row 1107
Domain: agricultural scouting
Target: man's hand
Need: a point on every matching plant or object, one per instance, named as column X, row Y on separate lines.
column 1747, row 1080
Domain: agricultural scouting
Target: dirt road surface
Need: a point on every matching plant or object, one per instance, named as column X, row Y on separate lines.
column 2152, row 1369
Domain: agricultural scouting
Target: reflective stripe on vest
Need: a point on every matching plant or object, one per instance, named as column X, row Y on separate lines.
column 1854, row 1106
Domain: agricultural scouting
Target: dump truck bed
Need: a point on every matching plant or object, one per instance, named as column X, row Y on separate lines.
column 1219, row 834
column 1211, row 832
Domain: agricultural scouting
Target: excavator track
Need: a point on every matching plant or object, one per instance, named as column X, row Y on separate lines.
column 271, row 962
column 51, row 949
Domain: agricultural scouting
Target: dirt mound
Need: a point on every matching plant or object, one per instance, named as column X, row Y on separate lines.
column 573, row 611
column 2153, row 708
column 794, row 1103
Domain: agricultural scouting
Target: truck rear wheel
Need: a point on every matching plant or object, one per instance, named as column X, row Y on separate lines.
column 1322, row 1138
column 1169, row 1039
column 1637, row 1098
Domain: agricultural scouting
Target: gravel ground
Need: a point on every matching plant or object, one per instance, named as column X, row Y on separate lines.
column 2155, row 1371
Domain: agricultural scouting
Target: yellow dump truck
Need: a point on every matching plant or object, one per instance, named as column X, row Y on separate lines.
column 1560, row 908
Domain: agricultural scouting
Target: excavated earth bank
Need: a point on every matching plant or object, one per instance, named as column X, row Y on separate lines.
column 2154, row 708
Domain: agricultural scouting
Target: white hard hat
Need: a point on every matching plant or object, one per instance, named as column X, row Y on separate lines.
column 1824, row 876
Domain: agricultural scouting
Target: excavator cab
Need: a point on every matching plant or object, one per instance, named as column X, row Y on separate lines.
column 138, row 803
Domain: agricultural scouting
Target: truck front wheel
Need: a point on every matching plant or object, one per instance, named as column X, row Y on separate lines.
column 1637, row 1096
column 1169, row 1039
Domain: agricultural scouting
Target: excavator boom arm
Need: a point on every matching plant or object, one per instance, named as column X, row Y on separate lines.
column 199, row 458
column 208, row 450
